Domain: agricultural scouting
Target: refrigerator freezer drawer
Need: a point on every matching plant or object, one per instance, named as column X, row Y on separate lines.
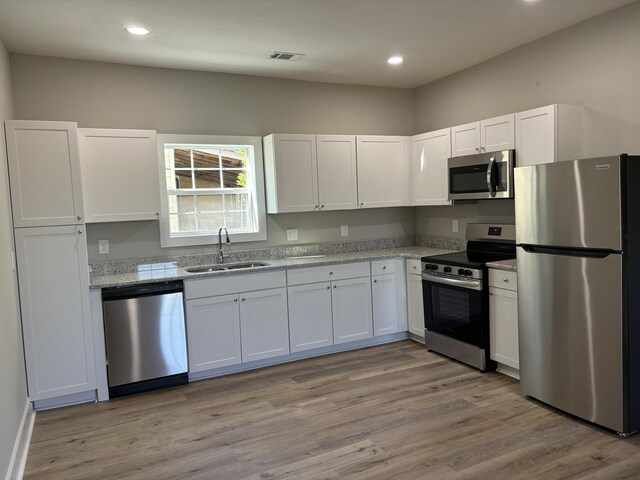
column 570, row 204
column 570, row 334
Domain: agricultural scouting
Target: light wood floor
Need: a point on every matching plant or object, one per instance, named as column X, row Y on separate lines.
column 387, row 412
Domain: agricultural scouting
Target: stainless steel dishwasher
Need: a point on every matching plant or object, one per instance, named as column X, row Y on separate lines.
column 145, row 337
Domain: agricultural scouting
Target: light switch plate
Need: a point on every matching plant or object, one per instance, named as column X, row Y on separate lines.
column 292, row 234
column 454, row 225
column 103, row 247
column 344, row 230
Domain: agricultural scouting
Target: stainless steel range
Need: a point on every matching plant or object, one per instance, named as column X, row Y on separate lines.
column 456, row 294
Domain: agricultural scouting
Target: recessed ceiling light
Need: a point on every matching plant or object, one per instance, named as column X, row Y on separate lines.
column 395, row 60
column 136, row 30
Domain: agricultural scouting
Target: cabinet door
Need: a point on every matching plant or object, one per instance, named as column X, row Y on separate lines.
column 291, row 173
column 213, row 332
column 351, row 303
column 337, row 179
column 386, row 310
column 264, row 329
column 382, row 171
column 56, row 313
column 119, row 174
column 310, row 323
column 536, row 136
column 465, row 139
column 44, row 173
column 497, row 134
column 429, row 173
column 415, row 306
column 503, row 323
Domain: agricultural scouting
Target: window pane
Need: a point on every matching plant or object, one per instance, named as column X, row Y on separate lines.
column 210, row 221
column 238, row 201
column 206, row 158
column 182, row 158
column 209, row 203
column 234, row 178
column 207, row 178
column 234, row 158
column 237, row 221
column 183, row 179
column 183, row 204
column 183, row 223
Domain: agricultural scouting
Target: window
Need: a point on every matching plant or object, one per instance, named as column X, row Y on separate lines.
column 211, row 182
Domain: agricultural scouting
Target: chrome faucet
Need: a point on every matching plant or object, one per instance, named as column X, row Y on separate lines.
column 228, row 242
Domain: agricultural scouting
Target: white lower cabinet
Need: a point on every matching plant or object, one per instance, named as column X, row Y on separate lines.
column 264, row 330
column 310, row 322
column 56, row 312
column 233, row 319
column 351, row 304
column 329, row 305
column 388, row 293
column 503, row 319
column 213, row 332
column 415, row 308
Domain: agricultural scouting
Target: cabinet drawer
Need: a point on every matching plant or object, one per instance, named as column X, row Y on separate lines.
column 503, row 279
column 379, row 267
column 328, row 273
column 413, row 266
column 224, row 285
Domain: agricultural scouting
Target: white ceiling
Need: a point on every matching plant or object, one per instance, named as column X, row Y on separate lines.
column 345, row 41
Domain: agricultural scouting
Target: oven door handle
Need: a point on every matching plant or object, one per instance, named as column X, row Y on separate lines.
column 455, row 282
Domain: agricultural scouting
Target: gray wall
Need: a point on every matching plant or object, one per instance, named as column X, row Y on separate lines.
column 176, row 101
column 13, row 393
column 594, row 63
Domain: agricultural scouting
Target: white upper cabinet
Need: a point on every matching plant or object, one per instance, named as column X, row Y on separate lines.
column 493, row 134
column 119, row 174
column 465, row 139
column 291, row 169
column 44, row 172
column 429, row 174
column 549, row 134
column 337, row 174
column 382, row 171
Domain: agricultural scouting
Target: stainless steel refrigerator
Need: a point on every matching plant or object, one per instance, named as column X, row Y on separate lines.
column 578, row 254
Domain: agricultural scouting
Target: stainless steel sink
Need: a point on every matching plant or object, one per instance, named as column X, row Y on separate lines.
column 222, row 266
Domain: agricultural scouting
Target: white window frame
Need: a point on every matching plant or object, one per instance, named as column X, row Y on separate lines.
column 166, row 240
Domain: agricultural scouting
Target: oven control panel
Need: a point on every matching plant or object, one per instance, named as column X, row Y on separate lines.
column 452, row 270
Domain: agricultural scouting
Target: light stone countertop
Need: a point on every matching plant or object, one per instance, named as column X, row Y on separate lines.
column 507, row 265
column 167, row 271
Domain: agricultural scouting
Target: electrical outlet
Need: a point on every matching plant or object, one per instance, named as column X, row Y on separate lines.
column 344, row 230
column 454, row 225
column 292, row 234
column 103, row 247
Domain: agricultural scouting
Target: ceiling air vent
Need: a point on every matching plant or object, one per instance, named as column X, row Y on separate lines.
column 291, row 57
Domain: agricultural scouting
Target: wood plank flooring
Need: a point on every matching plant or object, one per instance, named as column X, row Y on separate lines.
column 388, row 412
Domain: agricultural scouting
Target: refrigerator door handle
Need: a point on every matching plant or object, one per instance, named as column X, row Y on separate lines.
column 571, row 252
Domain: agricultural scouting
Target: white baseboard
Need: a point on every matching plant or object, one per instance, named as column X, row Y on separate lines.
column 21, row 446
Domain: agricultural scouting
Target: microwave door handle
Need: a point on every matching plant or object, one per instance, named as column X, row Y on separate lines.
column 490, row 176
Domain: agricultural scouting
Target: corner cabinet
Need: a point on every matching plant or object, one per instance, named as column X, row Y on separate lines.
column 56, row 314
column 119, row 174
column 44, row 173
column 383, row 171
column 493, row 134
column 503, row 320
column 429, row 173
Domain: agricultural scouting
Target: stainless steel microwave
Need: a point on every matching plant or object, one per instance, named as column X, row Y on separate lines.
column 481, row 176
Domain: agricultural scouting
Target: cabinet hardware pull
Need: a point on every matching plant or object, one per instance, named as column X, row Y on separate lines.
column 243, row 299
column 329, row 287
column 334, row 286
column 157, row 214
column 330, row 273
column 384, row 267
column 505, row 280
column 235, row 299
column 321, row 206
column 415, row 268
column 375, row 281
column 362, row 204
column 79, row 217
column 80, row 232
